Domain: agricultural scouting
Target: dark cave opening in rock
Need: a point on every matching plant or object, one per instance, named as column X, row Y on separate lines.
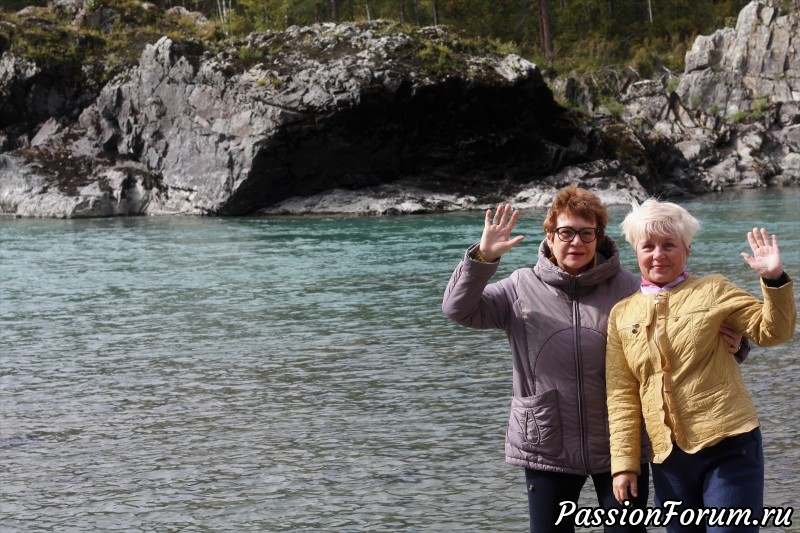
column 444, row 137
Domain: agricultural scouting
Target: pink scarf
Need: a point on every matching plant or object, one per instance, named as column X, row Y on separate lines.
column 648, row 287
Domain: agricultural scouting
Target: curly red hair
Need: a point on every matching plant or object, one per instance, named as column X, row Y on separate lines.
column 577, row 202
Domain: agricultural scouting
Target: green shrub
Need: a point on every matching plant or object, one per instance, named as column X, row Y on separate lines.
column 672, row 85
column 250, row 55
column 739, row 116
column 761, row 104
column 436, row 57
column 614, row 106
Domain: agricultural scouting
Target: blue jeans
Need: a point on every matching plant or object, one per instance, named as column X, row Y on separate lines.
column 547, row 489
column 729, row 474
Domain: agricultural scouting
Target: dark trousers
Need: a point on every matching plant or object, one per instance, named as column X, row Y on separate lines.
column 728, row 475
column 547, row 489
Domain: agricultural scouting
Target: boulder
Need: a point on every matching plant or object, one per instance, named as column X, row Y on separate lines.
column 330, row 107
column 737, row 70
column 365, row 119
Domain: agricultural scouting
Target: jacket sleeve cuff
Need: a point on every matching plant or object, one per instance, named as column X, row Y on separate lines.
column 744, row 350
column 625, row 464
column 776, row 283
column 469, row 259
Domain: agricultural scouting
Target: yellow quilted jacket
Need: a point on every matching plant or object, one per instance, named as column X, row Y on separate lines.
column 666, row 363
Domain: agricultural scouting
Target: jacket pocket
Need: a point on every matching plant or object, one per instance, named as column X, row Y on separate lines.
column 713, row 410
column 535, row 424
column 630, row 333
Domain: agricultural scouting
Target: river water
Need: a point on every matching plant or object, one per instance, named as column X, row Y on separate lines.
column 292, row 374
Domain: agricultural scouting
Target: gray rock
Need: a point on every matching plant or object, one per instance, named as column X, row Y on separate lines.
column 607, row 178
column 732, row 70
column 322, row 108
column 731, row 119
column 353, row 118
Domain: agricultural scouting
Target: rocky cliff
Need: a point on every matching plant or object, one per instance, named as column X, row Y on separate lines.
column 742, row 90
column 733, row 117
column 364, row 118
column 293, row 114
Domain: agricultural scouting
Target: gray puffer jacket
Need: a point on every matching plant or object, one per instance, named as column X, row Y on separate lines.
column 556, row 326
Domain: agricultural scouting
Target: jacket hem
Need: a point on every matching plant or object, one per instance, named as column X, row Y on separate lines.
column 553, row 468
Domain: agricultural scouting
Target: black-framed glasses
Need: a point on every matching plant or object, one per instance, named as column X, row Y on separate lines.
column 566, row 234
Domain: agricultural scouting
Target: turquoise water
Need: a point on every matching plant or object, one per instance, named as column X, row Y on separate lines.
column 291, row 374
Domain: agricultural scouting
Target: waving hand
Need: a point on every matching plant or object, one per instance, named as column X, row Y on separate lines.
column 766, row 258
column 496, row 239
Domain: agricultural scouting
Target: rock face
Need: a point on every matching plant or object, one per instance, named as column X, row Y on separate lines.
column 742, row 90
column 733, row 119
column 343, row 113
column 361, row 118
column 738, row 70
column 327, row 107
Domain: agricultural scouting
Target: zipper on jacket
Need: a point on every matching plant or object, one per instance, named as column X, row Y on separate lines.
column 655, row 336
column 662, row 345
column 576, row 320
column 659, row 332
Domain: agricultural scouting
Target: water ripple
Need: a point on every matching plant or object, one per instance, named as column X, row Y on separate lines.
column 279, row 375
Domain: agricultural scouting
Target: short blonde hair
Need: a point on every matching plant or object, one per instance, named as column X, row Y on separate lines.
column 662, row 219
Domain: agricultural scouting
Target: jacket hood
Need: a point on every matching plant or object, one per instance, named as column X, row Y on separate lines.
column 608, row 265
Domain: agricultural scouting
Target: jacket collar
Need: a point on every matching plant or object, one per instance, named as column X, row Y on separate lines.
column 608, row 265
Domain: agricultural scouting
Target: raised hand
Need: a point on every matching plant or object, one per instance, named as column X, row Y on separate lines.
column 766, row 258
column 496, row 239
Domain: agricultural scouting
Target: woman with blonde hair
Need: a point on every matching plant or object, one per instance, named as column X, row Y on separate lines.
column 666, row 365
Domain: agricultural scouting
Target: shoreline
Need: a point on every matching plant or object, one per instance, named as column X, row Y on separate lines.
column 402, row 199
